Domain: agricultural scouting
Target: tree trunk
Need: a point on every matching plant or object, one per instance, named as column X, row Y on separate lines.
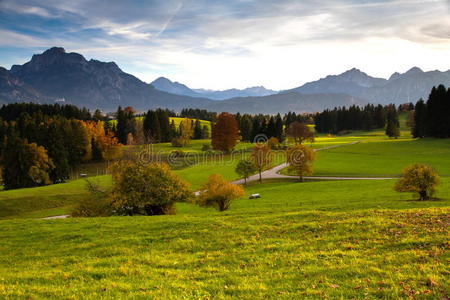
column 260, row 176
column 245, row 180
column 423, row 195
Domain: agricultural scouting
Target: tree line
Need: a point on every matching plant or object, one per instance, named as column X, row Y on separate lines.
column 42, row 144
column 155, row 126
column 353, row 118
column 432, row 118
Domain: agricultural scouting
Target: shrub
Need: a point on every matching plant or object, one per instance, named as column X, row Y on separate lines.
column 420, row 179
column 219, row 193
column 149, row 189
column 177, row 142
column 206, row 147
column 273, row 143
column 96, row 204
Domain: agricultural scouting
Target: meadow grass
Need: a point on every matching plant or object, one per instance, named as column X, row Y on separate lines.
column 300, row 240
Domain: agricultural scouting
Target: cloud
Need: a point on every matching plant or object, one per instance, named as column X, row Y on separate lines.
column 203, row 42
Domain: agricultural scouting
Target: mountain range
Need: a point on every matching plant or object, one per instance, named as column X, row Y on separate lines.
column 166, row 85
column 58, row 76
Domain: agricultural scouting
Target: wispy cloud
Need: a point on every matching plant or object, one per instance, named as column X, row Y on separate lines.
column 220, row 44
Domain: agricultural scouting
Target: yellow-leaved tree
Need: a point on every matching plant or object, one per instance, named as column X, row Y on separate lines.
column 420, row 179
column 300, row 159
column 219, row 193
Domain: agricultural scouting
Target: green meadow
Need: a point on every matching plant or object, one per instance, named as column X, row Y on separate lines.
column 317, row 239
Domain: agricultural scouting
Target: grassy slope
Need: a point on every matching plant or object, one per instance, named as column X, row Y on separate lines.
column 384, row 157
column 316, row 239
column 44, row 201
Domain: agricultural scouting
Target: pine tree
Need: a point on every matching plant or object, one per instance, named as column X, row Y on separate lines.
column 197, row 130
column 164, row 125
column 393, row 125
column 420, row 119
column 152, row 129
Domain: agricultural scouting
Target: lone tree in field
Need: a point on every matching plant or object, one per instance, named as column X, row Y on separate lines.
column 420, row 179
column 225, row 133
column 245, row 168
column 300, row 159
column 261, row 157
column 300, row 133
column 219, row 193
column 146, row 189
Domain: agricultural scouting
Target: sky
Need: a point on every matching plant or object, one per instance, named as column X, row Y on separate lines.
column 220, row 44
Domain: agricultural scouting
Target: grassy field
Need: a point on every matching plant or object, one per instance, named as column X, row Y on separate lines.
column 300, row 240
column 317, row 239
column 45, row 201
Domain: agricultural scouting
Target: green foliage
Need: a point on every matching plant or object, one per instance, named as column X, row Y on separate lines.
column 146, row 189
column 245, row 168
column 420, row 179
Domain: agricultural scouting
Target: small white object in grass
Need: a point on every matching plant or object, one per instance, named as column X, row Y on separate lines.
column 254, row 196
column 83, row 175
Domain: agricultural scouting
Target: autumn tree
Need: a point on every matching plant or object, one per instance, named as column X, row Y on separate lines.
column 300, row 159
column 219, row 193
column 186, row 131
column 300, row 132
column 225, row 133
column 261, row 157
column 149, row 189
column 25, row 164
column 273, row 143
column 420, row 179
column 245, row 168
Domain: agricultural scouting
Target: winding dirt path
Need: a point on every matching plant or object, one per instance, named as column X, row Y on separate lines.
column 274, row 173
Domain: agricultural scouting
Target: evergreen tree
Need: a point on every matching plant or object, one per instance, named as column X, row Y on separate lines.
column 197, row 130
column 420, row 119
column 152, row 129
column 279, row 128
column 164, row 125
column 393, row 125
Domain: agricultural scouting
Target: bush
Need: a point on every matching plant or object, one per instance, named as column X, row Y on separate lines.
column 206, row 147
column 149, row 189
column 177, row 142
column 420, row 179
column 273, row 143
column 219, row 193
column 96, row 204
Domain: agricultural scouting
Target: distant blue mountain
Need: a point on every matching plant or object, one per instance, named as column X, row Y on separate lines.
column 164, row 84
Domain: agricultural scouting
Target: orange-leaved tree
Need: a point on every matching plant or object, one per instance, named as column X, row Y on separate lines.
column 225, row 133
column 300, row 159
column 261, row 157
column 300, row 132
column 420, row 179
column 219, row 193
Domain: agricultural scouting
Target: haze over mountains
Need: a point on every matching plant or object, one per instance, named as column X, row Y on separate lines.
column 166, row 85
column 56, row 75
